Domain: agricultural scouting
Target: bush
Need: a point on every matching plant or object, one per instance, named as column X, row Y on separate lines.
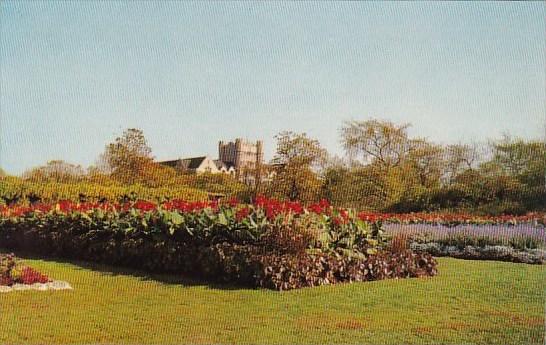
column 284, row 272
column 254, row 266
column 462, row 240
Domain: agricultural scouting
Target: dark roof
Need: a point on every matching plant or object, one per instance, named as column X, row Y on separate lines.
column 171, row 163
column 193, row 163
column 186, row 163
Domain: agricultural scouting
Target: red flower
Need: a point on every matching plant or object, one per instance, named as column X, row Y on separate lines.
column 320, row 207
column 260, row 201
column 21, row 210
column 31, row 276
column 242, row 213
column 338, row 220
column 213, row 204
column 66, row 205
column 369, row 217
column 41, row 208
column 294, row 207
column 144, row 205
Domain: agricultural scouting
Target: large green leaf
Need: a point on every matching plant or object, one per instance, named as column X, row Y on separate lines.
column 176, row 218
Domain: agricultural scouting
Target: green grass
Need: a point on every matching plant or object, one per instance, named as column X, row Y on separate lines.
column 475, row 302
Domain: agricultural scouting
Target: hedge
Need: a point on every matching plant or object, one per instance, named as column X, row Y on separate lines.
column 14, row 190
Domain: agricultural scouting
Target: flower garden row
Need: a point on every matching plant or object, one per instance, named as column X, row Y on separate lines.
column 269, row 243
column 273, row 207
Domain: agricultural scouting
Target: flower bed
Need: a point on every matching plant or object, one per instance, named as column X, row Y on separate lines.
column 521, row 236
column 11, row 272
column 524, row 243
column 454, row 219
column 487, row 252
column 270, row 243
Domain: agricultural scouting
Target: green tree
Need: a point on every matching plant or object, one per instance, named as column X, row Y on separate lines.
column 361, row 187
column 524, row 159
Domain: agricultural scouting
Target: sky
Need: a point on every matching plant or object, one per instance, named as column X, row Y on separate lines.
column 74, row 75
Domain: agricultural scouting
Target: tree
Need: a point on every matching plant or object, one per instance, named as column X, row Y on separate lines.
column 298, row 160
column 299, row 150
column 427, row 161
column 128, row 158
column 56, row 171
column 380, row 142
column 524, row 161
column 459, row 158
column 364, row 188
column 517, row 157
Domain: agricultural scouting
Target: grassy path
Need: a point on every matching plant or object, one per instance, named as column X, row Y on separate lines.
column 474, row 302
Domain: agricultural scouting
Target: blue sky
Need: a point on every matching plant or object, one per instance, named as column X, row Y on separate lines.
column 74, row 75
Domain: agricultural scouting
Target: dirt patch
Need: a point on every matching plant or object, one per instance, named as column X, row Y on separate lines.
column 424, row 330
column 321, row 323
column 518, row 318
column 350, row 324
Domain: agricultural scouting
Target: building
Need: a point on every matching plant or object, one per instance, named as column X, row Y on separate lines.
column 224, row 168
column 239, row 158
column 198, row 165
column 241, row 154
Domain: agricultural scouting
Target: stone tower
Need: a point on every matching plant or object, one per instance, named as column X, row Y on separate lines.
column 241, row 153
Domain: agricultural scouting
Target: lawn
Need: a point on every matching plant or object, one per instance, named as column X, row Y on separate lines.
column 478, row 302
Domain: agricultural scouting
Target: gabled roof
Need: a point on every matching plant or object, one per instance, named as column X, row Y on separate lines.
column 193, row 163
column 185, row 163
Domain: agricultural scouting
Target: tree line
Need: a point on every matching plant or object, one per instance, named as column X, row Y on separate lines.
column 383, row 169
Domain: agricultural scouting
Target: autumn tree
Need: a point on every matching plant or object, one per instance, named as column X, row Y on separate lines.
column 426, row 160
column 379, row 142
column 297, row 161
column 458, row 159
column 55, row 171
column 129, row 160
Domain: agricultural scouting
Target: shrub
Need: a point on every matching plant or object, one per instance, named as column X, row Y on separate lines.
column 253, row 266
